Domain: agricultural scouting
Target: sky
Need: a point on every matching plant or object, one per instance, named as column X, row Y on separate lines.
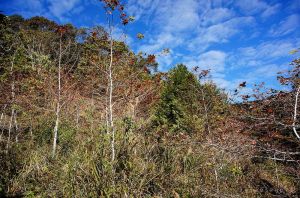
column 238, row 40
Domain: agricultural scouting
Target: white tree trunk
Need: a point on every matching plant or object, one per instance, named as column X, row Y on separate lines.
column 110, row 105
column 10, row 129
column 2, row 122
column 55, row 131
column 295, row 114
column 107, row 113
column 16, row 126
column 12, row 104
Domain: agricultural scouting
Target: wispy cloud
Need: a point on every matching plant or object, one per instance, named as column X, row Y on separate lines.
column 54, row 9
column 29, row 8
column 271, row 10
column 286, row 26
column 193, row 28
column 260, row 62
column 214, row 60
column 237, row 39
column 141, row 9
column 216, row 15
column 61, row 9
column 178, row 15
column 190, row 23
column 266, row 51
column 250, row 7
column 221, row 32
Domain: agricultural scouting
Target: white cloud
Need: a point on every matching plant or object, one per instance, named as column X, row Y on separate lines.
column 254, row 64
column 252, row 6
column 178, row 15
column 193, row 30
column 288, row 25
column 199, row 24
column 35, row 5
column 220, row 33
column 28, row 8
column 61, row 9
column 170, row 18
column 265, row 71
column 53, row 9
column 259, row 63
column 195, row 27
column 216, row 15
column 213, row 60
column 164, row 62
column 141, row 9
column 192, row 22
column 268, row 50
column 224, row 84
column 271, row 10
column 163, row 40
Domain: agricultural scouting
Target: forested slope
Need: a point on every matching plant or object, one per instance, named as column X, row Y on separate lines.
column 82, row 115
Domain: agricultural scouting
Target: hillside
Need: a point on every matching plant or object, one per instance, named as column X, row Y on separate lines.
column 83, row 115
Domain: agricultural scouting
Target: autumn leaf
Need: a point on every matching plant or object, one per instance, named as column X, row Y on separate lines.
column 140, row 36
column 121, row 8
column 166, row 51
column 146, row 70
column 151, row 59
column 245, row 97
column 294, row 51
column 61, row 29
column 243, row 84
column 125, row 21
column 204, row 73
column 131, row 18
column 196, row 68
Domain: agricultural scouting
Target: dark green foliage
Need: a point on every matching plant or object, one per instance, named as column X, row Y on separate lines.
column 186, row 105
column 176, row 107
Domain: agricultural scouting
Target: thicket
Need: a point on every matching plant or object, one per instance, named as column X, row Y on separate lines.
column 176, row 134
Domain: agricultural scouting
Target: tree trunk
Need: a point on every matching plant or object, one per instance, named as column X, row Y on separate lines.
column 10, row 129
column 12, row 104
column 2, row 122
column 295, row 114
column 110, row 105
column 55, row 131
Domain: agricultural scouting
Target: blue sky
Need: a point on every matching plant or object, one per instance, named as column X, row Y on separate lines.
column 239, row 40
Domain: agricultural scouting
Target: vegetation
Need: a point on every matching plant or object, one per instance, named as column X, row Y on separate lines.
column 84, row 116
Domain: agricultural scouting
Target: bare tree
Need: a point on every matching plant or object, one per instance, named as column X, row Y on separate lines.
column 58, row 104
column 111, row 128
column 110, row 7
column 67, row 55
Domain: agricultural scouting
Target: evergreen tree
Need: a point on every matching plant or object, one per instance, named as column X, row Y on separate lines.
column 178, row 99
